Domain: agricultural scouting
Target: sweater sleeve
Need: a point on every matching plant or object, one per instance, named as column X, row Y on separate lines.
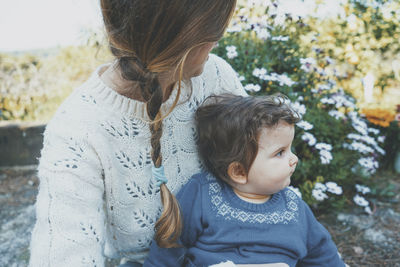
column 321, row 251
column 69, row 229
column 189, row 198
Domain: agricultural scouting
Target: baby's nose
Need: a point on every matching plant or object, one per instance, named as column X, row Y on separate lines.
column 293, row 160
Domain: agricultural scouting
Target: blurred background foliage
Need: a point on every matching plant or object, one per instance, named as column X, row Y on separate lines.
column 342, row 73
column 33, row 85
column 366, row 48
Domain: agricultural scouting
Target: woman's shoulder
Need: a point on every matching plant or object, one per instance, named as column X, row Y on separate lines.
column 78, row 111
column 219, row 66
column 219, row 77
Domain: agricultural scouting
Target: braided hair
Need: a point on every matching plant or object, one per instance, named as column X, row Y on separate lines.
column 152, row 37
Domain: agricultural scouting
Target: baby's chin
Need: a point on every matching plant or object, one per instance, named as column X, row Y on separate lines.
column 288, row 182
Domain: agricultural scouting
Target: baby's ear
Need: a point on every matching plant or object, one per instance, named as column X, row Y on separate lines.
column 237, row 173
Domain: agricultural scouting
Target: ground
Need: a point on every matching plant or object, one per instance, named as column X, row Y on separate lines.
column 370, row 240
column 363, row 240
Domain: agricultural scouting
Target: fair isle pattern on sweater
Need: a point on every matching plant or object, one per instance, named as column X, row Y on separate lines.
column 224, row 208
column 97, row 198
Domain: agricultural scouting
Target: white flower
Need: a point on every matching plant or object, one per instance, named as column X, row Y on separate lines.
column 262, row 3
column 319, row 195
column 336, row 114
column 323, row 146
column 325, row 156
column 307, row 64
column 231, row 51
column 342, row 100
column 339, row 99
column 359, row 128
column 283, row 79
column 363, row 148
column 326, row 100
column 374, row 131
column 332, row 187
column 308, row 60
column 365, row 138
column 259, row 72
column 363, row 189
column 360, row 147
column 280, row 38
column 280, row 20
column 329, row 60
column 241, row 78
column 262, row 33
column 358, row 124
column 360, row 201
column 369, row 140
column 380, row 150
column 295, row 190
column 320, row 186
column 299, row 108
column 369, row 163
column 305, row 125
column 234, row 28
column 381, row 139
column 354, row 136
column 368, row 210
column 252, row 87
column 309, row 138
column 324, row 87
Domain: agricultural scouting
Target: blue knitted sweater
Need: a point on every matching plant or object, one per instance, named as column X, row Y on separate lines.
column 219, row 226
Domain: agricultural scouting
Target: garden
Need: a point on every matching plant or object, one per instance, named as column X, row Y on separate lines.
column 341, row 74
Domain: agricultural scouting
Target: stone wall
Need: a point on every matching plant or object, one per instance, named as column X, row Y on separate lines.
column 20, row 143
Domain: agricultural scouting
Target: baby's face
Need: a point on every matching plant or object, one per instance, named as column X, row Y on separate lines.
column 274, row 163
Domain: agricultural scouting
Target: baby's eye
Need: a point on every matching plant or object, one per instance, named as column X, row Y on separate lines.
column 280, row 153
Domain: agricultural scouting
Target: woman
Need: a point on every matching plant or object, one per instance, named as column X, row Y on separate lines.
column 131, row 122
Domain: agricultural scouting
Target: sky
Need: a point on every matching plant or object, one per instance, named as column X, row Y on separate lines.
column 41, row 24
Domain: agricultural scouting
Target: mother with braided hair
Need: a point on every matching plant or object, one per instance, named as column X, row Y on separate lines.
column 126, row 135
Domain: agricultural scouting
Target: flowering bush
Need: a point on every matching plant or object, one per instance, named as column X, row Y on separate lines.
column 378, row 116
column 363, row 40
column 32, row 86
column 337, row 149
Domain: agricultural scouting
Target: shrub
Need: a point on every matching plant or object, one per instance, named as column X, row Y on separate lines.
column 364, row 43
column 33, row 86
column 337, row 148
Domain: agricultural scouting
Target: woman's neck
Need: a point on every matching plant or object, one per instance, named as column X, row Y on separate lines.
column 112, row 77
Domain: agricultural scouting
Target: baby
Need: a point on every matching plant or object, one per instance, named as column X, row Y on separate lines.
column 240, row 208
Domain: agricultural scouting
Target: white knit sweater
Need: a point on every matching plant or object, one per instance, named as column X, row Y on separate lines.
column 96, row 196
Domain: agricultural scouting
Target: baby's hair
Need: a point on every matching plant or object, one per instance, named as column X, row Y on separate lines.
column 149, row 37
column 229, row 126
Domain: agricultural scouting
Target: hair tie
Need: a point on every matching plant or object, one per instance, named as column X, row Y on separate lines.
column 159, row 175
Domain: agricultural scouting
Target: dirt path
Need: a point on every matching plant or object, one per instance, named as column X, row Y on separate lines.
column 362, row 240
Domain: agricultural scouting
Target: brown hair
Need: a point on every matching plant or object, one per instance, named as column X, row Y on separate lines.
column 229, row 126
column 154, row 36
